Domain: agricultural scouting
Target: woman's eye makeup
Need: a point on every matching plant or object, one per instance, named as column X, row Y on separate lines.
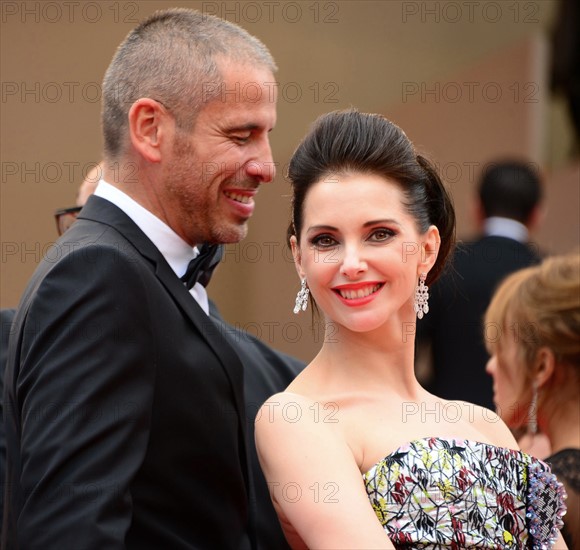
column 378, row 235
column 323, row 240
column 381, row 234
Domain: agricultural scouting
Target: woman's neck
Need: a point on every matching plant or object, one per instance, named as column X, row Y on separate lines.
column 562, row 425
column 382, row 359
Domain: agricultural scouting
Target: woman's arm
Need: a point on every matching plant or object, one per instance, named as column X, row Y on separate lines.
column 314, row 481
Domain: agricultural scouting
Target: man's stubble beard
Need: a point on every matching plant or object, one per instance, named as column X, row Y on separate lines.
column 194, row 199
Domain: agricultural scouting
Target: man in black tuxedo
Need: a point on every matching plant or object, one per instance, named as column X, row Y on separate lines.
column 125, row 414
column 450, row 338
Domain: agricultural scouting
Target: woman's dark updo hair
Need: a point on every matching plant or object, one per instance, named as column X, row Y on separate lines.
column 345, row 142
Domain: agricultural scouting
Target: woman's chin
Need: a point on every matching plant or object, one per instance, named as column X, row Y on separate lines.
column 364, row 322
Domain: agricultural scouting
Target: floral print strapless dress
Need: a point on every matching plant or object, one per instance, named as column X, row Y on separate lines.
column 450, row 493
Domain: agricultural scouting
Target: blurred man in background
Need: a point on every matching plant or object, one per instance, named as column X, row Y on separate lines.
column 450, row 338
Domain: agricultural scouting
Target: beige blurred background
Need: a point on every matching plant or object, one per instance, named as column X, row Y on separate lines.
column 468, row 81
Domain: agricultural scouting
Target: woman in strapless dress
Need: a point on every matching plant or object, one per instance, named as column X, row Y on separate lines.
column 356, row 453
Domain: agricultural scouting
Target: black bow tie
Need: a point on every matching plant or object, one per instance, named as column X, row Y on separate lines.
column 201, row 268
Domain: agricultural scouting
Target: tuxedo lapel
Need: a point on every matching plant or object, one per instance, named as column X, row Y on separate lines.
column 102, row 211
column 208, row 329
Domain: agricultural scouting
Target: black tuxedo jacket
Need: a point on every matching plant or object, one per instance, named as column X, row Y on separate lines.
column 454, row 324
column 6, row 317
column 266, row 372
column 125, row 419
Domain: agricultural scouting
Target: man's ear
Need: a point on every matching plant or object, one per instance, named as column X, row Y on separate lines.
column 544, row 366
column 297, row 256
column 149, row 123
column 429, row 249
column 536, row 218
column 478, row 213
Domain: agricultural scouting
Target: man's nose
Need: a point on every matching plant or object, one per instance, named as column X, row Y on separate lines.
column 263, row 167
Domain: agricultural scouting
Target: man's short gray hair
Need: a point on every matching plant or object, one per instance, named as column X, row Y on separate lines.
column 172, row 57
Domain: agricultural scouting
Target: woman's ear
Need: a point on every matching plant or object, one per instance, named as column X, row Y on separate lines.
column 544, row 366
column 296, row 255
column 429, row 248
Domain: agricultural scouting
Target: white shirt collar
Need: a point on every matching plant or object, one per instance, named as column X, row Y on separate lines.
column 174, row 249
column 496, row 226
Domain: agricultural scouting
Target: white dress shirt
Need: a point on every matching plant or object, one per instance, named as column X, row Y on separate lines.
column 496, row 226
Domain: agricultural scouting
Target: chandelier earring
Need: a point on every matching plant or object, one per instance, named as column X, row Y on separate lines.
column 533, row 412
column 421, row 305
column 302, row 297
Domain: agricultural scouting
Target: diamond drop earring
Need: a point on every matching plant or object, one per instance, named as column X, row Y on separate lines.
column 533, row 412
column 302, row 297
column 421, row 305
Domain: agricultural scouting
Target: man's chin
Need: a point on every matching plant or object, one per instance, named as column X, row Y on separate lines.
column 233, row 234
